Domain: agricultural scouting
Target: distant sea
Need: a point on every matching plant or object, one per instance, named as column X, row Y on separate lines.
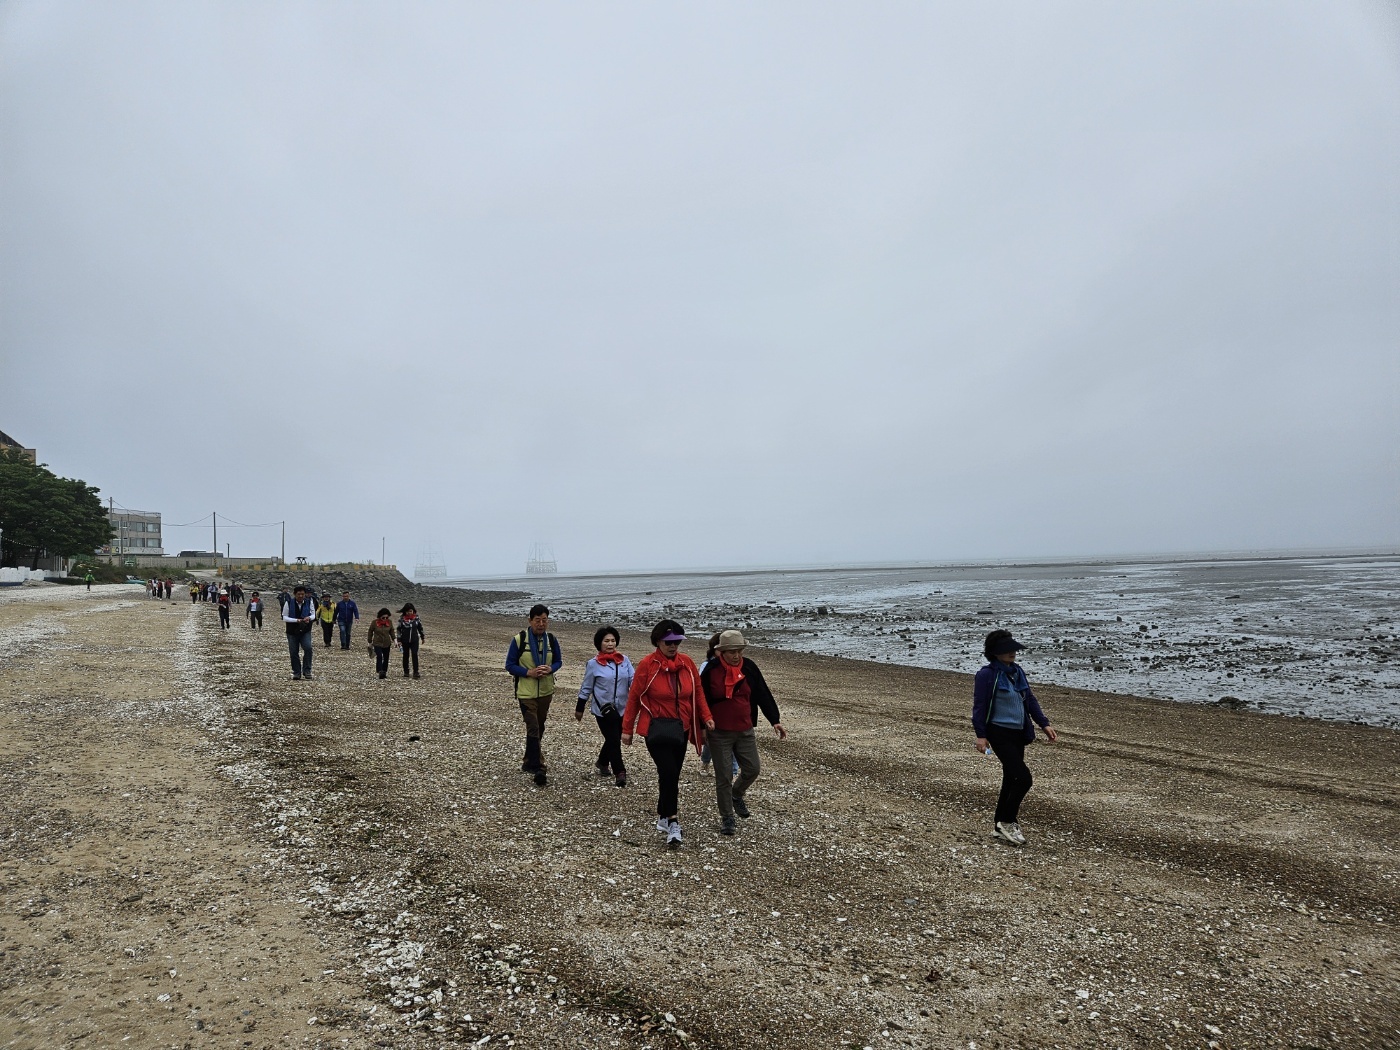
column 1312, row 636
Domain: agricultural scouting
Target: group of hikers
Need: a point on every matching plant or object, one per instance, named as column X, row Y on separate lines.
column 667, row 700
column 674, row 705
column 302, row 610
column 207, row 591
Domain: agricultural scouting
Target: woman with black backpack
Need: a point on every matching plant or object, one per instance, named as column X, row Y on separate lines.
column 410, row 634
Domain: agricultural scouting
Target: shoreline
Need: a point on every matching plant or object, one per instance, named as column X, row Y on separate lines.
column 1194, row 875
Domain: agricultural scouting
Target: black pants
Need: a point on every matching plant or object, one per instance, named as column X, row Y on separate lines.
column 326, row 629
column 1009, row 745
column 410, row 648
column 669, row 757
column 223, row 616
column 610, row 757
column 255, row 620
column 381, row 661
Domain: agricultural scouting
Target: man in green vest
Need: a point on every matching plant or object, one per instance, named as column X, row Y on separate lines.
column 532, row 660
column 88, row 579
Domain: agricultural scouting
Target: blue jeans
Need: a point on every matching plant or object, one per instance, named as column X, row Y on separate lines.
column 300, row 648
column 345, row 626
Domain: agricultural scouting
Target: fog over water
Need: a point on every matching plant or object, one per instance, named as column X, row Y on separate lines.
column 740, row 284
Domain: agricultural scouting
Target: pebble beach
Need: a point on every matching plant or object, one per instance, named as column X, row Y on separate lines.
column 199, row 852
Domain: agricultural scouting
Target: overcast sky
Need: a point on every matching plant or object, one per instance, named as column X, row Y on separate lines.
column 685, row 285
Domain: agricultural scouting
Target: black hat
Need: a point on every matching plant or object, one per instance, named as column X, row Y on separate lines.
column 999, row 642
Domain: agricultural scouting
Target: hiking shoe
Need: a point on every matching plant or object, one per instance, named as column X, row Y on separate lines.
column 296, row 678
column 673, row 835
column 741, row 808
column 622, row 781
column 415, row 674
column 704, row 769
column 541, row 778
column 602, row 770
column 663, row 825
column 1009, row 833
column 726, row 826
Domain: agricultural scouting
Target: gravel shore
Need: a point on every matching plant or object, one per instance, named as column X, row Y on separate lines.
column 196, row 851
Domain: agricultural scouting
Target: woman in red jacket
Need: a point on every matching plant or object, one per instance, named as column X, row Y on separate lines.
column 666, row 704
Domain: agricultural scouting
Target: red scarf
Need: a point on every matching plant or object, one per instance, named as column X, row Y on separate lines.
column 732, row 677
column 610, row 658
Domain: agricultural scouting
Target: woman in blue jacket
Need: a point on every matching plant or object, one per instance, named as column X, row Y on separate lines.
column 1004, row 715
column 606, row 681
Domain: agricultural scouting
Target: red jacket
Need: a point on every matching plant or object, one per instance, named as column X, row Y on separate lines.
column 660, row 694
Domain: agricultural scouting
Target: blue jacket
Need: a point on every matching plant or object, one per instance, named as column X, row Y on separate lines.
column 606, row 686
column 346, row 611
column 984, row 687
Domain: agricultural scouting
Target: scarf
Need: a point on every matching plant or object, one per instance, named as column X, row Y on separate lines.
column 669, row 664
column 732, row 677
column 610, row 658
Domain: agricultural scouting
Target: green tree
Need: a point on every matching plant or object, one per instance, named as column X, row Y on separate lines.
column 43, row 515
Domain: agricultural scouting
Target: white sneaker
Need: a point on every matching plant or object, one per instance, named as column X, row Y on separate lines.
column 663, row 825
column 1009, row 833
column 673, row 835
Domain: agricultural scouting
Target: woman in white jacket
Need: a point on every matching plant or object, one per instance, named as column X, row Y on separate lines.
column 606, row 681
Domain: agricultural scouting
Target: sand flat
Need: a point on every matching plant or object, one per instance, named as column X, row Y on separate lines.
column 175, row 802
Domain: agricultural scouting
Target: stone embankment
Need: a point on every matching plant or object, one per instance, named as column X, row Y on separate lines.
column 366, row 585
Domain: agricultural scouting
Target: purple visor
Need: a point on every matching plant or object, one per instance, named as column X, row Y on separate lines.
column 673, row 637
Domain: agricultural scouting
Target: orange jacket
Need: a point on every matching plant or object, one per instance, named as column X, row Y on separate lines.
column 656, row 693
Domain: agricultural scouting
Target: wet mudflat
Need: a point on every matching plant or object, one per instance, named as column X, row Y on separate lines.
column 356, row 862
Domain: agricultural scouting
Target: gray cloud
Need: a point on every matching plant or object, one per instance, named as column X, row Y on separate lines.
column 747, row 284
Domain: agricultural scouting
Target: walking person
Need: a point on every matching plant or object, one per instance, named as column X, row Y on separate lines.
column 224, row 602
column 410, row 635
column 606, row 682
column 255, row 611
column 299, row 614
column 533, row 659
column 1004, row 715
column 736, row 691
column 346, row 613
column 194, row 593
column 325, row 616
column 88, row 579
column 381, row 640
column 666, row 704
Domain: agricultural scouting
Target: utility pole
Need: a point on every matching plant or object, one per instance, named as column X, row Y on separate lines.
column 284, row 543
column 381, row 552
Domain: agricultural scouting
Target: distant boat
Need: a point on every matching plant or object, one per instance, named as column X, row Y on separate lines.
column 430, row 565
column 541, row 561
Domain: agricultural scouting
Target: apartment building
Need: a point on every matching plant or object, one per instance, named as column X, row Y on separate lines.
column 134, row 532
